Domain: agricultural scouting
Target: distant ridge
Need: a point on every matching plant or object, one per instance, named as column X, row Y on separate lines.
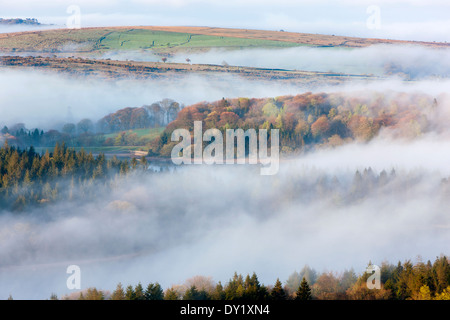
column 19, row 21
column 53, row 39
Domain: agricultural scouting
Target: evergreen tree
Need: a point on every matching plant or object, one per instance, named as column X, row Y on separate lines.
column 93, row 294
column 218, row 293
column 129, row 294
column 235, row 288
column 118, row 294
column 191, row 294
column 277, row 292
column 253, row 290
column 27, row 177
column 304, row 291
column 441, row 274
column 194, row 294
column 171, row 294
column 154, row 292
column 139, row 292
column 293, row 282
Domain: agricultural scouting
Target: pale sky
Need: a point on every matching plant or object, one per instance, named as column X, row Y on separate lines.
column 426, row 20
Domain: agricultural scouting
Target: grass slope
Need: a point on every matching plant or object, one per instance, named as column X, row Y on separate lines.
column 104, row 39
column 150, row 133
column 170, row 39
column 148, row 39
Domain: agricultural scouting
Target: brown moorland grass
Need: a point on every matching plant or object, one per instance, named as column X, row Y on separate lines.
column 304, row 38
column 113, row 69
column 89, row 39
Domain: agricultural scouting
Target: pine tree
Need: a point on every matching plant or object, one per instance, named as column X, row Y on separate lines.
column 139, row 292
column 218, row 293
column 191, row 294
column 253, row 290
column 441, row 273
column 171, row 294
column 118, row 294
column 93, row 294
column 304, row 291
column 154, row 292
column 278, row 292
column 235, row 288
column 129, row 294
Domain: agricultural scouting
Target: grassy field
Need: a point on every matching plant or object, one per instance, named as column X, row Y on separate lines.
column 104, row 39
column 148, row 39
column 57, row 40
column 170, row 39
column 151, row 133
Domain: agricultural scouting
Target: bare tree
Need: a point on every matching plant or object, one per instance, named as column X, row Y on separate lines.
column 170, row 108
column 85, row 125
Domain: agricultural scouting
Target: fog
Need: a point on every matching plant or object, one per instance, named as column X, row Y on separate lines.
column 416, row 61
column 24, row 27
column 53, row 99
column 59, row 98
column 215, row 220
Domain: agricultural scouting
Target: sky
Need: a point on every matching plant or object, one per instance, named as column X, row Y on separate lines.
column 396, row 19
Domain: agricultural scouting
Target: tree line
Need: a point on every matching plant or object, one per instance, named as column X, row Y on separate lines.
column 304, row 121
column 86, row 132
column 30, row 178
column 310, row 119
column 403, row 281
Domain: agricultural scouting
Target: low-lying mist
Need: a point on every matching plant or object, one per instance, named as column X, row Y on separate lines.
column 48, row 100
column 414, row 61
column 215, row 220
column 332, row 210
column 25, row 27
column 45, row 99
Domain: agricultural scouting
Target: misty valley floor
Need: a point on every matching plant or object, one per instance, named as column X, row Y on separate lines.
column 336, row 204
column 213, row 221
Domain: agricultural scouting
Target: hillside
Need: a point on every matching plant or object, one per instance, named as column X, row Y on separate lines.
column 112, row 69
column 168, row 40
column 305, row 121
column 19, row 21
column 318, row 40
column 311, row 120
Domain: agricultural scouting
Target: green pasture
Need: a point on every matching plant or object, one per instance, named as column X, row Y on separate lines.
column 135, row 39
